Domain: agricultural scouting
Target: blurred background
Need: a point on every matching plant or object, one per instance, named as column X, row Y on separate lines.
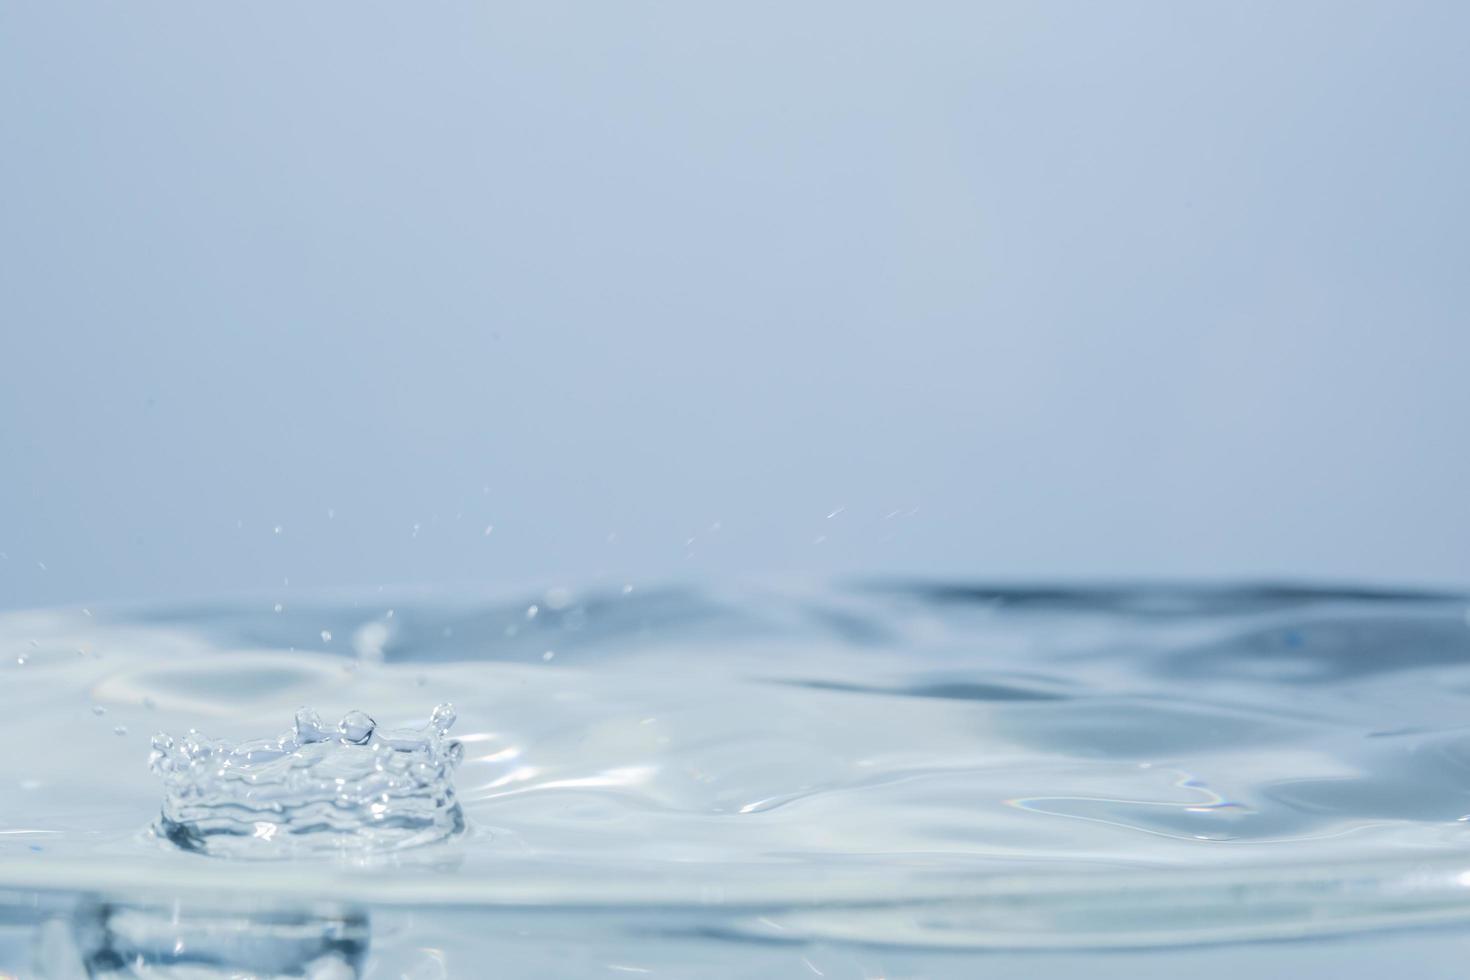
column 308, row 296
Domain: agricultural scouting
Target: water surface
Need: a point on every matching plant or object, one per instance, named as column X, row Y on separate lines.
column 756, row 778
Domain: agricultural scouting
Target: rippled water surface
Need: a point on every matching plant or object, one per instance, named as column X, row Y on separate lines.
column 870, row 780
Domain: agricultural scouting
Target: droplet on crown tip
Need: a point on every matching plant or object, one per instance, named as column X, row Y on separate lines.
column 442, row 718
column 357, row 727
column 309, row 727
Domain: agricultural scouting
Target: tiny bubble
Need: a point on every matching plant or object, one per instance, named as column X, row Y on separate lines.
column 390, row 614
column 86, row 612
column 279, row 607
column 548, row 655
column 488, row 529
column 278, row 529
column 120, row 730
column 21, row 661
column 627, row 589
column 326, row 636
column 98, row 710
column 531, row 611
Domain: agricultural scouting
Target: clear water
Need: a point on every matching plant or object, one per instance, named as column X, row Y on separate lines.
column 880, row 780
column 342, row 790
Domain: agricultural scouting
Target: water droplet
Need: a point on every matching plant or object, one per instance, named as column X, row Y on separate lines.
column 548, row 655
column 357, row 727
column 326, row 636
column 278, row 529
column 532, row 610
column 443, row 717
column 278, row 607
column 628, row 588
column 120, row 730
column 308, row 727
column 488, row 529
column 98, row 710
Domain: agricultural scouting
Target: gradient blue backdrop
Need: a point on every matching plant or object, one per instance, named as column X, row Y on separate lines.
column 1129, row 289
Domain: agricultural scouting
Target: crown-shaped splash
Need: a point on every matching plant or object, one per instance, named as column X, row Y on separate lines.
column 314, row 789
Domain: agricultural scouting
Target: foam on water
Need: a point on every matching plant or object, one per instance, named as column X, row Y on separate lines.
column 313, row 789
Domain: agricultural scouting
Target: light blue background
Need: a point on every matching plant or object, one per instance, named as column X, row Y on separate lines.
column 1027, row 290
